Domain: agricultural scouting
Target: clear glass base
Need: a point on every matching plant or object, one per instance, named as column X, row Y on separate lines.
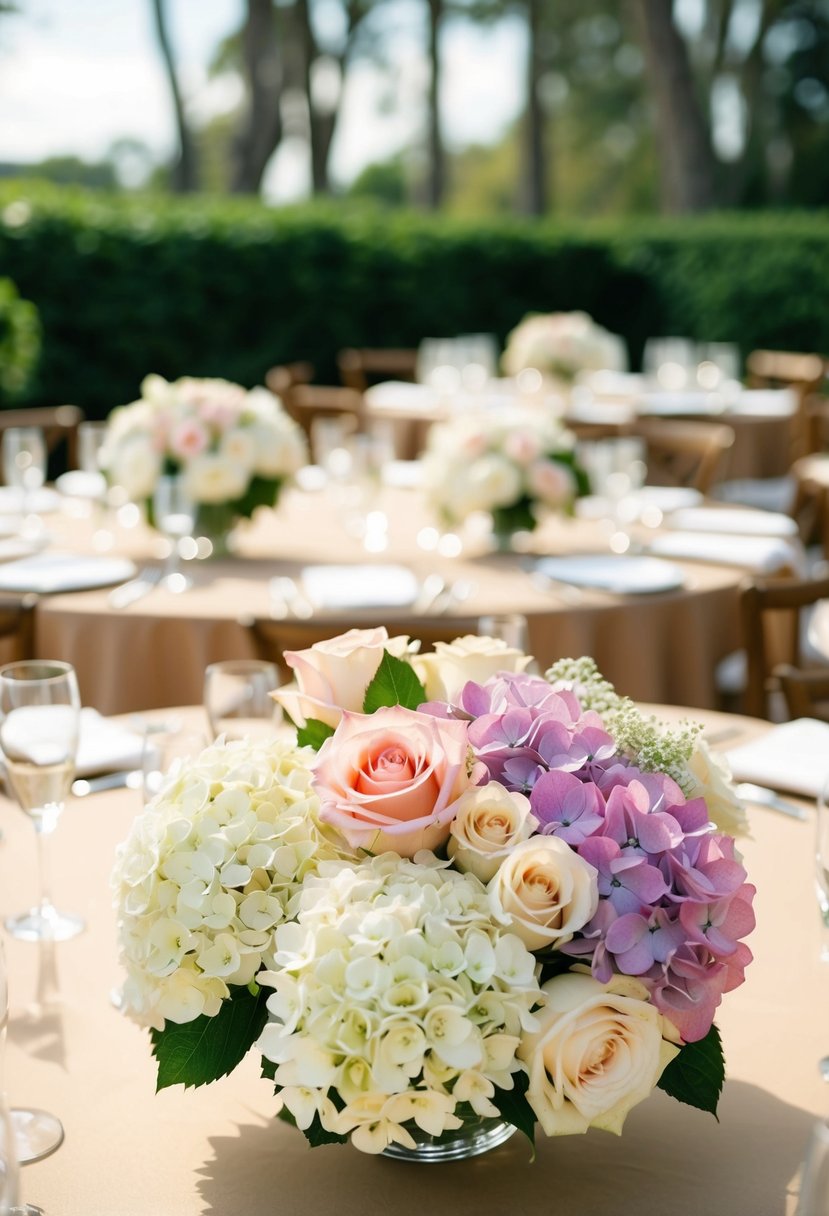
column 36, row 1133
column 823, row 1065
column 44, row 924
column 475, row 1137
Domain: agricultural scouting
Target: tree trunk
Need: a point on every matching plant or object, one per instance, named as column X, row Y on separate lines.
column 262, row 123
column 536, row 158
column 437, row 152
column 184, row 171
column 320, row 125
column 686, row 160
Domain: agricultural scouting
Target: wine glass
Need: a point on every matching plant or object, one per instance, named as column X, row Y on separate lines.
column 25, row 1134
column 508, row 627
column 822, row 884
column 24, row 461
column 39, row 721
column 175, row 516
column 814, row 1179
column 167, row 744
column 238, row 701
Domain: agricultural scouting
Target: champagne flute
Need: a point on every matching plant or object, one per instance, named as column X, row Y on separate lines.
column 175, row 515
column 238, row 701
column 25, row 1134
column 814, row 1179
column 39, row 721
column 822, row 884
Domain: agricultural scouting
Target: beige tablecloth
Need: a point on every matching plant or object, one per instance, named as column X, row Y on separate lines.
column 219, row 1150
column 154, row 652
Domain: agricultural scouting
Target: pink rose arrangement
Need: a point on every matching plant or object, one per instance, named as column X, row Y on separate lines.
column 487, row 890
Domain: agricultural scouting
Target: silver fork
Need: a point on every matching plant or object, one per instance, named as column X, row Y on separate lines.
column 136, row 588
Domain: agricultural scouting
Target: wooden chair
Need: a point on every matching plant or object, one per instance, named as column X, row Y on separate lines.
column 683, row 453
column 806, row 692
column 804, row 373
column 59, row 424
column 17, row 628
column 306, row 403
column 771, row 611
column 271, row 638
column 285, row 376
column 360, row 368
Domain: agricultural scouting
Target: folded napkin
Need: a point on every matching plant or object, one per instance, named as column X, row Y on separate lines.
column 737, row 522
column 345, row 587
column 793, row 756
column 639, row 503
column 403, row 474
column 105, row 746
column 402, row 395
column 760, row 554
column 665, row 405
column 38, row 502
column 765, row 403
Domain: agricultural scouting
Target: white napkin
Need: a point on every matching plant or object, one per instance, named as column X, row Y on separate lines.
column 760, row 554
column 665, row 405
column 793, row 756
column 403, row 474
column 105, row 745
column 345, row 587
column 737, row 522
column 402, row 395
column 765, row 403
column 39, row 502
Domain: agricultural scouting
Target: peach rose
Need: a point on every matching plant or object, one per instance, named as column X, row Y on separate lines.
column 452, row 664
column 389, row 781
column 333, row 675
column 545, row 892
column 489, row 822
column 599, row 1051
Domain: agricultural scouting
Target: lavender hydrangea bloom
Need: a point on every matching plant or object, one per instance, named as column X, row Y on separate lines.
column 567, row 807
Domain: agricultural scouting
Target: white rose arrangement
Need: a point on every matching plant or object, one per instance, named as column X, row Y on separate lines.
column 233, row 447
column 562, row 344
column 514, row 463
column 492, row 901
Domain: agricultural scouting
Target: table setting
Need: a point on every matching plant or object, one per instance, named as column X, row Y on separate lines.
column 217, row 1143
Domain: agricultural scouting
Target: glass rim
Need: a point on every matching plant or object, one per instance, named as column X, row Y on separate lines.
column 51, row 669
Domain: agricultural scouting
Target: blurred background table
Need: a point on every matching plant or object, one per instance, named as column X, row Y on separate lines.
column 130, row 1152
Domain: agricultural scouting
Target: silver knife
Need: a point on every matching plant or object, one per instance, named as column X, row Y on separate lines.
column 130, row 777
column 761, row 796
column 135, row 589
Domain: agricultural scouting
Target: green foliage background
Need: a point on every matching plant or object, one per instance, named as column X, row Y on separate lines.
column 128, row 285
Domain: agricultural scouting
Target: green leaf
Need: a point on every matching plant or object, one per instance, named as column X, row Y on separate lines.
column 697, row 1074
column 313, row 733
column 394, row 683
column 208, row 1048
column 513, row 1105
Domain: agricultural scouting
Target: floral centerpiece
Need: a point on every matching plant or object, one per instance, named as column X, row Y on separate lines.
column 562, row 344
column 465, row 900
column 514, row 464
column 234, row 448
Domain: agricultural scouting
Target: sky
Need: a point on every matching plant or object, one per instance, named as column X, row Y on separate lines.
column 76, row 75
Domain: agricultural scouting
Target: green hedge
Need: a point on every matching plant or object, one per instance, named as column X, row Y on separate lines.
column 129, row 285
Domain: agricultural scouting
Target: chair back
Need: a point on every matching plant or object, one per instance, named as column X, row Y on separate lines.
column 681, row 453
column 806, row 692
column 361, row 367
column 282, row 378
column 308, row 402
column 59, row 424
column 770, row 612
column 17, row 628
column 802, row 372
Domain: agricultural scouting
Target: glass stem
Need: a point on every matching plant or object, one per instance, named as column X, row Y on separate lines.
column 44, row 828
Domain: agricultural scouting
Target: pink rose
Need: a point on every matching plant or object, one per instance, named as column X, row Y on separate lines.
column 188, row 439
column 333, row 675
column 389, row 781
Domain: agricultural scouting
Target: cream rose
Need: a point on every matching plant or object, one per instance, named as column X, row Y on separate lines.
column 545, row 892
column 489, row 821
column 598, row 1052
column 389, row 781
column 333, row 675
column 712, row 781
column 453, row 664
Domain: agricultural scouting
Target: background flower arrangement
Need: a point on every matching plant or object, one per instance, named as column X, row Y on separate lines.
column 510, row 902
column 562, row 344
column 234, row 448
column 512, row 463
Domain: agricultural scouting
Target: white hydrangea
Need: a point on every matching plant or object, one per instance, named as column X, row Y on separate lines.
column 397, row 1000
column 208, row 870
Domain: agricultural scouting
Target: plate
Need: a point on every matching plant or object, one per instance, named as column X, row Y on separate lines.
column 343, row 587
column 38, row 502
column 51, row 572
column 610, row 572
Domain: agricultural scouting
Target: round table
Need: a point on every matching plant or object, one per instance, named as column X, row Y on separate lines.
column 130, row 1152
column 154, row 652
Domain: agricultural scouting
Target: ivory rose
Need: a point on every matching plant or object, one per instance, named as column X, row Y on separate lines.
column 389, row 781
column 712, row 781
column 454, row 664
column 598, row 1052
column 489, row 821
column 333, row 675
column 545, row 892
